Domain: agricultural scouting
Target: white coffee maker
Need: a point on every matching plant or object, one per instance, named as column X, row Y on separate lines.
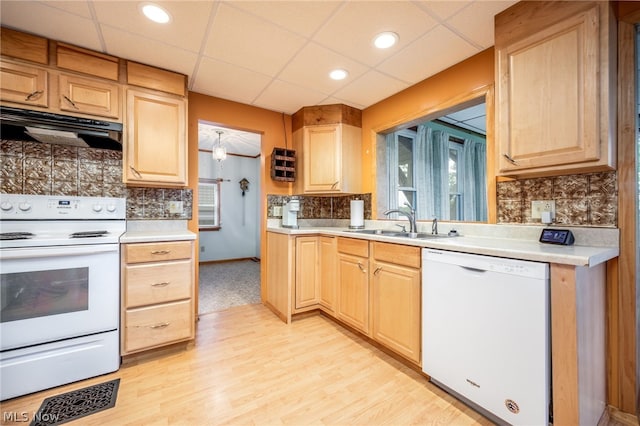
column 290, row 213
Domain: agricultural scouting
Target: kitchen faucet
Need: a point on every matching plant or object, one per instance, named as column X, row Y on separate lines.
column 434, row 226
column 413, row 229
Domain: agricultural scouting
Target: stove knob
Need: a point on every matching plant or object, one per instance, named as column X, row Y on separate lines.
column 6, row 206
column 111, row 208
column 97, row 208
column 25, row 207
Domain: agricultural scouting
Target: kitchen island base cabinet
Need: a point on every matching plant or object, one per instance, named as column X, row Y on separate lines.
column 157, row 295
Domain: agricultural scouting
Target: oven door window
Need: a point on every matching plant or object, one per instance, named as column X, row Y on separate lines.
column 42, row 293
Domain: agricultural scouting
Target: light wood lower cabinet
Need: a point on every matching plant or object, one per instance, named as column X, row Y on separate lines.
column 395, row 298
column 353, row 283
column 328, row 273
column 307, row 288
column 157, row 294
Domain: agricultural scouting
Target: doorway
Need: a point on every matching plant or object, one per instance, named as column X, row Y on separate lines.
column 229, row 217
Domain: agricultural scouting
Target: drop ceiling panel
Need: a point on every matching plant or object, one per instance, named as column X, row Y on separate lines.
column 148, row 51
column 283, row 96
column 432, row 53
column 186, row 30
column 475, row 22
column 351, row 31
column 310, row 68
column 443, row 9
column 291, row 15
column 256, row 44
column 228, row 81
column 370, row 87
column 54, row 23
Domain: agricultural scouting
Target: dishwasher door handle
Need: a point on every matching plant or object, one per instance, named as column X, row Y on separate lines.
column 468, row 268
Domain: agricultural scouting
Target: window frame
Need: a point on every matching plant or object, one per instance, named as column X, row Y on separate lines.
column 203, row 183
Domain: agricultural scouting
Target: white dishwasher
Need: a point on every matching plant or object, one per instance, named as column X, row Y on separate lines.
column 485, row 332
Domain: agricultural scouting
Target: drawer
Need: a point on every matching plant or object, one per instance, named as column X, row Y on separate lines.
column 157, row 325
column 397, row 253
column 152, row 283
column 353, row 246
column 154, row 252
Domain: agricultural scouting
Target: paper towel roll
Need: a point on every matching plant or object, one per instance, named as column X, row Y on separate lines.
column 357, row 214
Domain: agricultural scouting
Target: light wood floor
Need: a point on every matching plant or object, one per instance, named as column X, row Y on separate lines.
column 247, row 367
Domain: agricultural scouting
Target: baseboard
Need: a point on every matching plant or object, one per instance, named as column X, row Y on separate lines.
column 209, row 262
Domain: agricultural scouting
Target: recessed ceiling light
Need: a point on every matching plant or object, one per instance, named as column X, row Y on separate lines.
column 338, row 74
column 385, row 40
column 155, row 13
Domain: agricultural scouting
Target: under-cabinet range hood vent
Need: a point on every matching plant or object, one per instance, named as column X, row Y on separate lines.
column 46, row 127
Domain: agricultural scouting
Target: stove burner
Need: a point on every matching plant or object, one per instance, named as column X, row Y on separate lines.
column 15, row 235
column 88, row 234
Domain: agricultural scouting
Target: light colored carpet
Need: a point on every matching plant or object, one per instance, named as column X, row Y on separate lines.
column 227, row 284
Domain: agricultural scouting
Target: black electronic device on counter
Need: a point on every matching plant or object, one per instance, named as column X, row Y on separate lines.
column 557, row 236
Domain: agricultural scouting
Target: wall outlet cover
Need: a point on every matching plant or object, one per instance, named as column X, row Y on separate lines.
column 539, row 206
column 176, row 207
column 277, row 211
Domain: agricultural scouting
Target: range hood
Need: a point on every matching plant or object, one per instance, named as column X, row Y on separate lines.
column 46, row 127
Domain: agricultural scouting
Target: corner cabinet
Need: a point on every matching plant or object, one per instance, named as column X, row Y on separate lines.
column 328, row 144
column 157, row 294
column 156, row 150
column 556, row 88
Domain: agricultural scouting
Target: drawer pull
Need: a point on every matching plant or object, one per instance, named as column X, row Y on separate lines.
column 135, row 172
column 33, row 95
column 377, row 270
column 159, row 326
column 161, row 252
column 73, row 104
column 162, row 284
column 509, row 159
column 361, row 267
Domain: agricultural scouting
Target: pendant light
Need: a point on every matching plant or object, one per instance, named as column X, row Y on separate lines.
column 219, row 152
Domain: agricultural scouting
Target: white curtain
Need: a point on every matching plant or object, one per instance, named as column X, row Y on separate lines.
column 475, row 177
column 433, row 173
column 392, row 167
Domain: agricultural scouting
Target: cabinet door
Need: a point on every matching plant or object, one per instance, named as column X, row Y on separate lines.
column 322, row 158
column 328, row 276
column 307, row 272
column 353, row 291
column 24, row 85
column 280, row 274
column 86, row 96
column 552, row 105
column 155, row 149
column 395, row 308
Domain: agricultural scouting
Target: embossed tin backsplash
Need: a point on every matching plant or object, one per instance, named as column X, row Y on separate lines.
column 325, row 207
column 45, row 169
column 581, row 200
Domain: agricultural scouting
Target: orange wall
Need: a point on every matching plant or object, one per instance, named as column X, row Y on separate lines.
column 241, row 117
column 425, row 98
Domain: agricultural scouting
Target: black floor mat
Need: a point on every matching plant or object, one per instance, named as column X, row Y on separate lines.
column 79, row 403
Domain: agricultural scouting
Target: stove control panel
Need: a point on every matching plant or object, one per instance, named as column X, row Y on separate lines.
column 31, row 207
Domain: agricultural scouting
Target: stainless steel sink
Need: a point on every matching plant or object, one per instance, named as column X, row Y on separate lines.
column 388, row 233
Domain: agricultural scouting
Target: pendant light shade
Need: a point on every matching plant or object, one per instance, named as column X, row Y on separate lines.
column 219, row 152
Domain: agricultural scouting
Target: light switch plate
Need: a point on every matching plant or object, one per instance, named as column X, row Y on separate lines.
column 175, row 207
column 539, row 206
column 277, row 211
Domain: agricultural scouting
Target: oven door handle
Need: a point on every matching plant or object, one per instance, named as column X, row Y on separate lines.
column 61, row 251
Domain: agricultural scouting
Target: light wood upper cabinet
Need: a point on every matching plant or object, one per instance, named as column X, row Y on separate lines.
column 89, row 96
column 155, row 152
column 395, row 298
column 328, row 144
column 555, row 74
column 24, row 85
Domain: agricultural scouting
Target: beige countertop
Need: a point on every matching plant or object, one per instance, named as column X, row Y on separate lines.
column 147, row 231
column 593, row 245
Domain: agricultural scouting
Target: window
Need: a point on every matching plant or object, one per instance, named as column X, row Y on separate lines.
column 404, row 144
column 456, row 178
column 208, row 204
